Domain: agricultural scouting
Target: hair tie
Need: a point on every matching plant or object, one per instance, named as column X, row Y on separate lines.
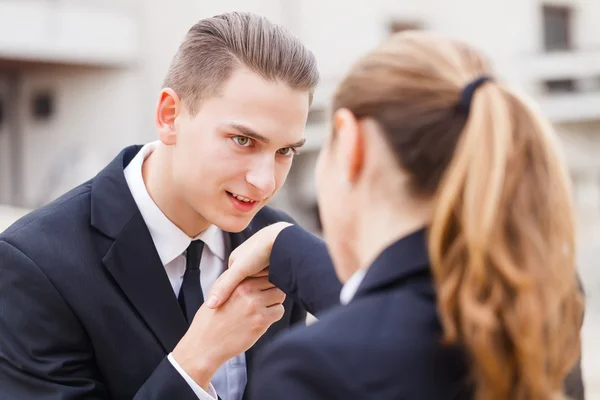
column 464, row 104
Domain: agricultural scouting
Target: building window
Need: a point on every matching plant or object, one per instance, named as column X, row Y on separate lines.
column 557, row 27
column 560, row 86
column 42, row 105
column 401, row 26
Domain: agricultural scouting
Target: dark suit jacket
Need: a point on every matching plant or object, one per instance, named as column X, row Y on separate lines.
column 86, row 308
column 385, row 344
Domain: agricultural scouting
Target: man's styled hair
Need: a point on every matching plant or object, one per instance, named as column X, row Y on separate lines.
column 215, row 46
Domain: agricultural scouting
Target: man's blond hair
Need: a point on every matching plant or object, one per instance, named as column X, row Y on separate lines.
column 215, row 46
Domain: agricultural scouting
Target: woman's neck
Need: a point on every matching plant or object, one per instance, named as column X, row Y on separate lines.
column 384, row 224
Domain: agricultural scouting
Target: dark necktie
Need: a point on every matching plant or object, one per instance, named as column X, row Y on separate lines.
column 190, row 295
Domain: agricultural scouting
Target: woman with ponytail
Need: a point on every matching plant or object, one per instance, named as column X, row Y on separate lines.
column 447, row 213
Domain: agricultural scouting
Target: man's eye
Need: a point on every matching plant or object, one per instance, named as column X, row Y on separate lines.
column 286, row 151
column 242, row 140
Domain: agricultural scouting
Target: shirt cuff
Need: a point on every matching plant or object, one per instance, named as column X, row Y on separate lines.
column 211, row 394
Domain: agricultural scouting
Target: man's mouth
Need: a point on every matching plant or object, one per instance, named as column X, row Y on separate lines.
column 242, row 203
column 241, row 198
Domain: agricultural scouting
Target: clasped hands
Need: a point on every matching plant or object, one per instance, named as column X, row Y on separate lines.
column 239, row 309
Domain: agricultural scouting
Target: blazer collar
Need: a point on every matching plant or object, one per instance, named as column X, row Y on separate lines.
column 112, row 204
column 403, row 259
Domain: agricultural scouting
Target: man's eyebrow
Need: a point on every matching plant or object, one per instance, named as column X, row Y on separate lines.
column 299, row 143
column 247, row 131
column 251, row 133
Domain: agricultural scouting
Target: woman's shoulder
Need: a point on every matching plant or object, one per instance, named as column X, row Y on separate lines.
column 396, row 320
column 386, row 342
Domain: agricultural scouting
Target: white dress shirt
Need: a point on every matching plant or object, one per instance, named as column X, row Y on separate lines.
column 171, row 243
column 351, row 286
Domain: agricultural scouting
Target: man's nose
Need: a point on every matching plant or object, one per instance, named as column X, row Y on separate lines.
column 262, row 176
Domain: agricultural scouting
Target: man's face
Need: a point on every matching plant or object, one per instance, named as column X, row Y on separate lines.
column 235, row 153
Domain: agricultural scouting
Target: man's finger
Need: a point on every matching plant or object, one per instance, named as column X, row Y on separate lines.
column 264, row 272
column 275, row 312
column 260, row 283
column 223, row 287
column 272, row 297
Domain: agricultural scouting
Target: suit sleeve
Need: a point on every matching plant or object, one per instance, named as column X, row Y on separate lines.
column 573, row 385
column 300, row 266
column 45, row 352
column 298, row 315
column 294, row 370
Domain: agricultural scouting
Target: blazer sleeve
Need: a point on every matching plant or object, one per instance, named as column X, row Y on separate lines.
column 300, row 266
column 44, row 350
column 573, row 386
column 293, row 369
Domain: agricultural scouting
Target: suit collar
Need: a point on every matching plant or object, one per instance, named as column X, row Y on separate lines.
column 132, row 259
column 403, row 259
column 134, row 264
column 112, row 205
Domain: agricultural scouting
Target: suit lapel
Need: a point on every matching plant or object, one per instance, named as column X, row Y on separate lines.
column 132, row 259
column 136, row 267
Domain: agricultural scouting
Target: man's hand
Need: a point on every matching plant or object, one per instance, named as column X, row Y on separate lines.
column 251, row 258
column 216, row 335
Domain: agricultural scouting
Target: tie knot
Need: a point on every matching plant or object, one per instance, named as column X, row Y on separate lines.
column 194, row 254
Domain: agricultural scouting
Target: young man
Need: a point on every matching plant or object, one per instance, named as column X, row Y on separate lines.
column 101, row 291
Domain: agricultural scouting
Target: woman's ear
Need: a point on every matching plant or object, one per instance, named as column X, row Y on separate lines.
column 349, row 140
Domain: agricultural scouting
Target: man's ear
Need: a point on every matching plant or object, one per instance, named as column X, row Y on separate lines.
column 167, row 110
column 350, row 142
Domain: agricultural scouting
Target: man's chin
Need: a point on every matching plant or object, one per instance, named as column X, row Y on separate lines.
column 234, row 224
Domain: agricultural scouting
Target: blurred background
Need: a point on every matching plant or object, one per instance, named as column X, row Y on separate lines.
column 79, row 80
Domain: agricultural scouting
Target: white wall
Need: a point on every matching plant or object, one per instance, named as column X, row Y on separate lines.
column 5, row 146
column 96, row 112
column 67, row 31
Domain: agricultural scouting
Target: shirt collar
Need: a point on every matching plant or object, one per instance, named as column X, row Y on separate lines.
column 351, row 286
column 169, row 240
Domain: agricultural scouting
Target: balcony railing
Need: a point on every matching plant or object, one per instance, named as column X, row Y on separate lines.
column 69, row 32
column 566, row 84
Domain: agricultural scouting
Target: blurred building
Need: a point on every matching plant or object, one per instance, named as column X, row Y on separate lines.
column 548, row 49
column 79, row 78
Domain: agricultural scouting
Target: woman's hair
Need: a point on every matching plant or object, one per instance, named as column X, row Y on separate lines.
column 501, row 239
